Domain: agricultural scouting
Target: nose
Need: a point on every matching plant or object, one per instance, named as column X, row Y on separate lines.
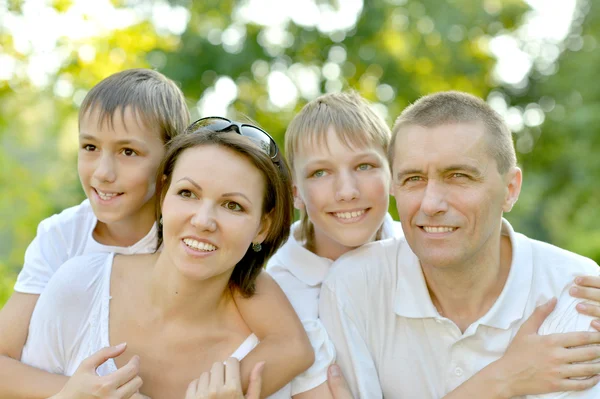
column 203, row 218
column 434, row 199
column 346, row 187
column 105, row 171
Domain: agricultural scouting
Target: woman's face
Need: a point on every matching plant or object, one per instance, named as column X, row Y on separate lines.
column 212, row 211
column 345, row 192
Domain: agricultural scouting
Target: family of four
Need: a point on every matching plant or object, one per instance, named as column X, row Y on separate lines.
column 154, row 285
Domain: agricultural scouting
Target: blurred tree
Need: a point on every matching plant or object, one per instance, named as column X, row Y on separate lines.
column 561, row 203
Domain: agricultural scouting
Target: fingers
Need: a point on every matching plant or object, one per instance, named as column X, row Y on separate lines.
column 125, row 374
column 534, row 322
column 191, row 390
column 574, row 339
column 577, row 385
column 582, row 371
column 337, row 383
column 130, row 388
column 232, row 374
column 588, row 281
column 255, row 384
column 217, row 378
column 582, row 354
column 95, row 360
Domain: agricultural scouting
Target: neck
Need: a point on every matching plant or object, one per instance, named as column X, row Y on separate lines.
column 178, row 298
column 325, row 247
column 126, row 232
column 464, row 293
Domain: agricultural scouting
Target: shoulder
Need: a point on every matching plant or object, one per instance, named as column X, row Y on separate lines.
column 78, row 278
column 368, row 268
column 70, row 224
column 557, row 263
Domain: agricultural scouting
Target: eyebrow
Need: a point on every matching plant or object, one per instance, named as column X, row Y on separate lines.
column 119, row 142
column 356, row 157
column 232, row 194
column 467, row 168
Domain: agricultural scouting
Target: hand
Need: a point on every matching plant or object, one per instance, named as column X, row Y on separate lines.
column 588, row 287
column 86, row 384
column 538, row 364
column 337, row 383
column 223, row 382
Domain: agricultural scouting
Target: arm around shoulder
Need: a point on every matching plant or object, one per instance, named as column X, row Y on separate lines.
column 284, row 345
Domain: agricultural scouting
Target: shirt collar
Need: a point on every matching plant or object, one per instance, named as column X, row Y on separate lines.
column 312, row 269
column 308, row 267
column 413, row 299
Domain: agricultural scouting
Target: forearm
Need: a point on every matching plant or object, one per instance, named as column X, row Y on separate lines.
column 284, row 345
column 285, row 359
column 20, row 381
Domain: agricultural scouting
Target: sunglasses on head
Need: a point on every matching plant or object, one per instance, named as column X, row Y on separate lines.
column 254, row 133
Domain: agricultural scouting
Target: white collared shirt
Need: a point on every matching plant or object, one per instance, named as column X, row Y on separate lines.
column 391, row 341
column 299, row 272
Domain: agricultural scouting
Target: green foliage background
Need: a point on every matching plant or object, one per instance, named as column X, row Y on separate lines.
column 404, row 47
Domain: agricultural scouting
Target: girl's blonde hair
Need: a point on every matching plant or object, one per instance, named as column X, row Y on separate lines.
column 354, row 122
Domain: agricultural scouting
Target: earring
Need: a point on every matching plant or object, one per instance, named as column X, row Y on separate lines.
column 256, row 247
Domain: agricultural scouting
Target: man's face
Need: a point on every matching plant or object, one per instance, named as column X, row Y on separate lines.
column 449, row 193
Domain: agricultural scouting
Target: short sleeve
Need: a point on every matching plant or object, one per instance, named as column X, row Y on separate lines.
column 324, row 357
column 46, row 253
column 353, row 355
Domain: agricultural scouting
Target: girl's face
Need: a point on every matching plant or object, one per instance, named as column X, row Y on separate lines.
column 345, row 192
column 212, row 211
column 117, row 166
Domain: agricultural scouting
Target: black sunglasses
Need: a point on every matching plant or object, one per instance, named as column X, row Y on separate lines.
column 254, row 133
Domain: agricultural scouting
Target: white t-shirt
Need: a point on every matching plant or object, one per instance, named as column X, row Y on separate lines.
column 299, row 272
column 64, row 236
column 70, row 321
column 391, row 341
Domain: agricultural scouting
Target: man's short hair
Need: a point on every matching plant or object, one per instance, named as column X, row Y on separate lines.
column 458, row 107
column 154, row 98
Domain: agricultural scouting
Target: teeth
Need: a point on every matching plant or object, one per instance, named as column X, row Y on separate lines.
column 200, row 246
column 430, row 229
column 348, row 215
column 106, row 196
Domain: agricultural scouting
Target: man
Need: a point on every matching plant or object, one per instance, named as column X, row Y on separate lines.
column 417, row 317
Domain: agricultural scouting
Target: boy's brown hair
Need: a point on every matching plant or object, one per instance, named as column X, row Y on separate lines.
column 154, row 98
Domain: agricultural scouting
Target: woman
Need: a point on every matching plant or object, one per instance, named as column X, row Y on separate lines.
column 174, row 308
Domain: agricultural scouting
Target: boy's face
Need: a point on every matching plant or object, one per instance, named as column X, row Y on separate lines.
column 117, row 166
column 345, row 192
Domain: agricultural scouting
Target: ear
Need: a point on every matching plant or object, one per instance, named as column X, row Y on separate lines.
column 298, row 203
column 265, row 227
column 513, row 179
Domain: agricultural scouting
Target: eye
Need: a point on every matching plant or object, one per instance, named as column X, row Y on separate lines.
column 89, row 147
column 233, row 206
column 318, row 173
column 186, row 194
column 364, row 166
column 128, row 152
column 458, row 175
column 413, row 179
